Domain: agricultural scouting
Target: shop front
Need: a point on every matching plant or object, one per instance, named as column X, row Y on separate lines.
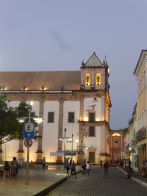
column 142, row 151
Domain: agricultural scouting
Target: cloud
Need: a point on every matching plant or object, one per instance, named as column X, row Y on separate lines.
column 61, row 42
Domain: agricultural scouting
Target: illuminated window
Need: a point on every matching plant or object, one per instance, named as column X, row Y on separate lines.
column 87, row 81
column 98, row 79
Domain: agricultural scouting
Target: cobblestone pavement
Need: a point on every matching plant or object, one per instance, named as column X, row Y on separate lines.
column 115, row 184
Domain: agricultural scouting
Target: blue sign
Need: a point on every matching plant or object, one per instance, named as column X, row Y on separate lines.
column 29, row 130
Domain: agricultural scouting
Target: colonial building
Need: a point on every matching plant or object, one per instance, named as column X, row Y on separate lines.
column 130, row 138
column 141, row 134
column 75, row 101
column 117, row 146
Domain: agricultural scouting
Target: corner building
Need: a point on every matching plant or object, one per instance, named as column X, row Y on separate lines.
column 77, row 101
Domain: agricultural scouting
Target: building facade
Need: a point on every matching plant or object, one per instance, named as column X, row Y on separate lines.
column 75, row 101
column 117, row 146
column 131, row 148
column 141, row 134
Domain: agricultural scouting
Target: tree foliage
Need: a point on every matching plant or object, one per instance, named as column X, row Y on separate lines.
column 10, row 127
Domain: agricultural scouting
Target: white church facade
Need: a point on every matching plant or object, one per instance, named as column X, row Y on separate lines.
column 70, row 102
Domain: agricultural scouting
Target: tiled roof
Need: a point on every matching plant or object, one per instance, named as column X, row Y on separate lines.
column 52, row 80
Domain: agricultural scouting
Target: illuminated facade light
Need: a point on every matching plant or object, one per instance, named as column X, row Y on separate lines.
column 2, row 88
column 24, row 88
column 116, row 134
column 43, row 88
column 31, row 103
column 85, row 118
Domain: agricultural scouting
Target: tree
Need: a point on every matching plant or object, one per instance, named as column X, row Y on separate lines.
column 10, row 127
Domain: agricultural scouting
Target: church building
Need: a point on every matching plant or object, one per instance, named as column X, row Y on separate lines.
column 74, row 106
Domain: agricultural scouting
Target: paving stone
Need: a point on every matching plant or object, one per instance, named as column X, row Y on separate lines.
column 115, row 184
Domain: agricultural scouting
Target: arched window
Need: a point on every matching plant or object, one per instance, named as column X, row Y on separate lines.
column 98, row 79
column 87, row 79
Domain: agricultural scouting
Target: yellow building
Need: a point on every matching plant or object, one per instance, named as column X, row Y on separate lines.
column 141, row 134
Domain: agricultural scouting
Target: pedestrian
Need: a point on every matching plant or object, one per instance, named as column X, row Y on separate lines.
column 127, row 164
column 43, row 163
column 106, row 166
column 73, row 168
column 14, row 167
column 130, row 172
column 101, row 163
column 121, row 163
column 67, row 168
column 7, row 169
column 88, row 167
column 84, row 168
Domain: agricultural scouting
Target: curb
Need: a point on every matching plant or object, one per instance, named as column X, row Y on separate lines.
column 144, row 184
column 53, row 186
column 50, row 188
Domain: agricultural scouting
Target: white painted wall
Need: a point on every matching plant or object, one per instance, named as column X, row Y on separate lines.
column 71, row 128
column 88, row 102
column 50, row 130
column 94, row 142
column 10, row 150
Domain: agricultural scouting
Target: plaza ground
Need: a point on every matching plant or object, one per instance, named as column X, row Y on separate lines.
column 39, row 180
column 115, row 184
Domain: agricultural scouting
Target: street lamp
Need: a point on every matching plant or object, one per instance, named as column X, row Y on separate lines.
column 72, row 149
column 64, row 139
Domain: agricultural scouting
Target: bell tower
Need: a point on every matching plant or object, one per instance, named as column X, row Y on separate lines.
column 94, row 74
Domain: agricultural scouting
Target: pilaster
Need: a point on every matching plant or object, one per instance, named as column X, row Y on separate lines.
column 1, row 152
column 60, row 127
column 39, row 150
column 80, row 155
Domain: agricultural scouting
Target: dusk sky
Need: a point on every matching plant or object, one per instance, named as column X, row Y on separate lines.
column 59, row 34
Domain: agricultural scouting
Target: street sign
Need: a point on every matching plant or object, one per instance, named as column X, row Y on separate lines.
column 28, row 142
column 70, row 153
column 57, row 154
column 29, row 130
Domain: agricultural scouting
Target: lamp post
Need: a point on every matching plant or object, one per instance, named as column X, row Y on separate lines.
column 72, row 149
column 64, row 139
column 27, row 167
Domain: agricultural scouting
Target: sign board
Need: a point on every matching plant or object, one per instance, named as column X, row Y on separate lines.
column 70, row 153
column 29, row 130
column 57, row 154
column 28, row 143
column 80, row 152
column 122, row 154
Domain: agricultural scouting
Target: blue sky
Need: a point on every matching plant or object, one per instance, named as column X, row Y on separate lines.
column 59, row 34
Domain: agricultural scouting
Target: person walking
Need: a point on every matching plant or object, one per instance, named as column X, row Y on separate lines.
column 88, row 167
column 84, row 168
column 43, row 163
column 73, row 168
column 7, row 169
column 67, row 168
column 14, row 167
column 106, row 166
column 101, row 163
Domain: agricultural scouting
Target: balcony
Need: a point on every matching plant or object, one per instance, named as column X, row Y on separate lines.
column 141, row 134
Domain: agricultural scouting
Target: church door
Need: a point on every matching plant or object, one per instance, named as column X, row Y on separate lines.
column 92, row 157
